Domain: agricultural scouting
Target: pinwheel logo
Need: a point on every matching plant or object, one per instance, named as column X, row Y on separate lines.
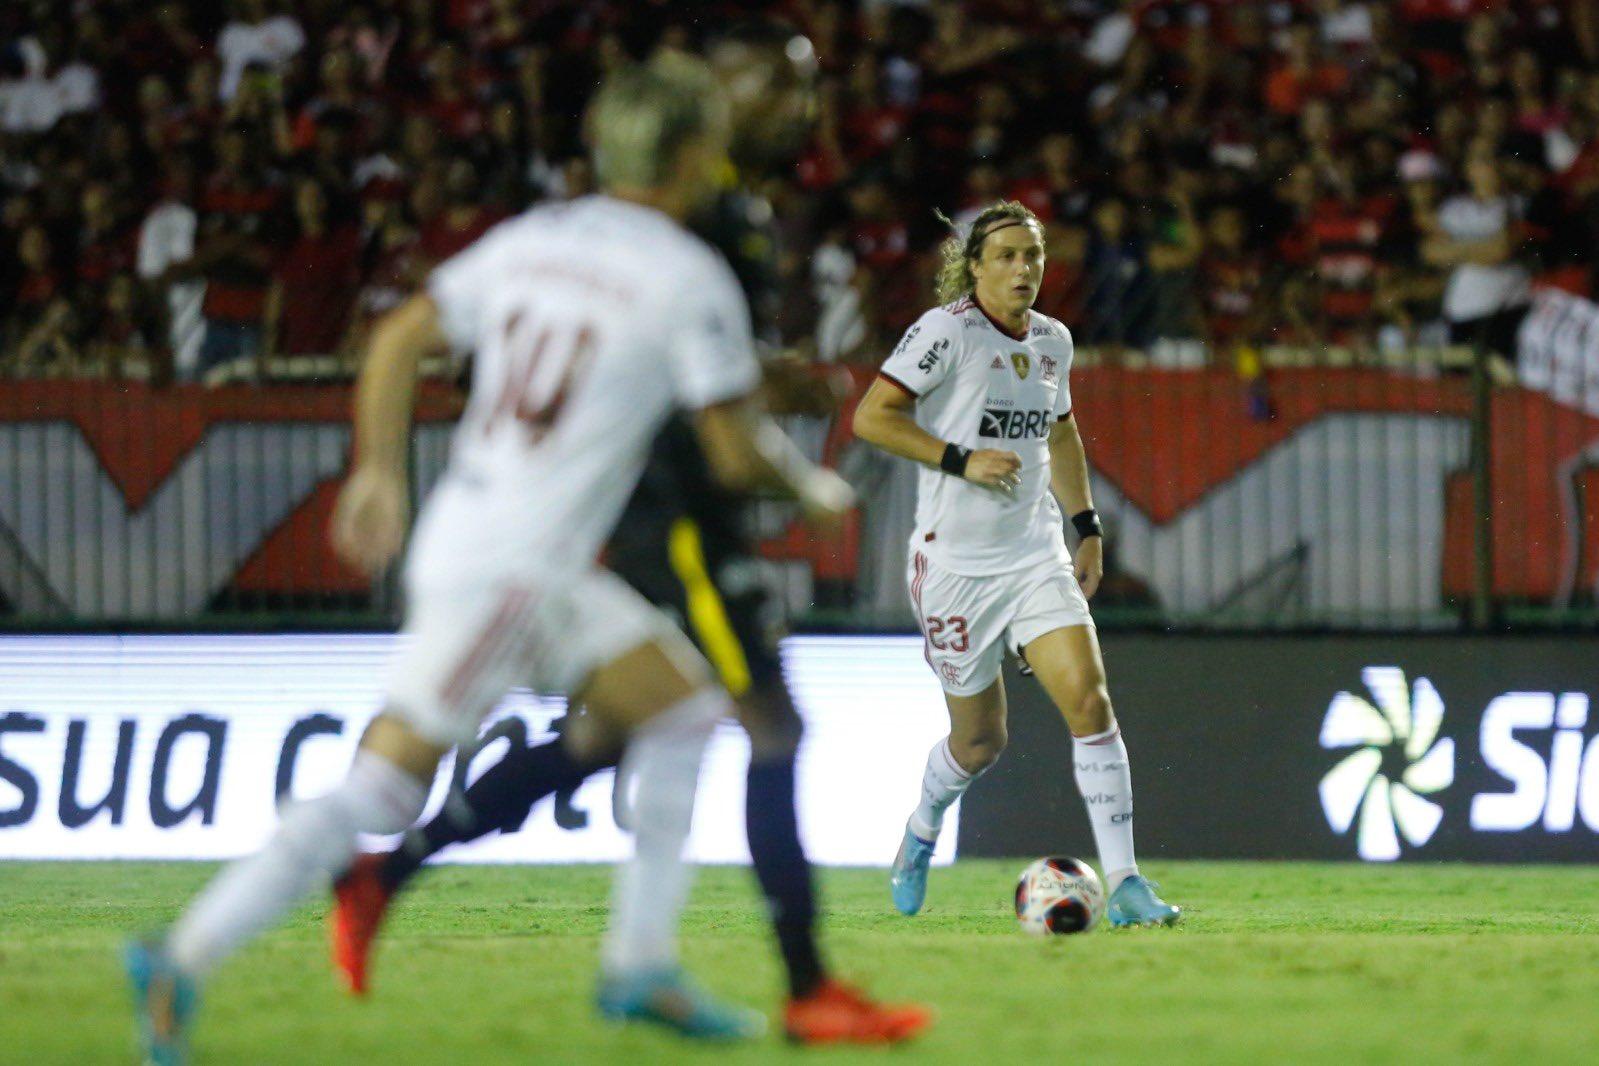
column 1399, row 760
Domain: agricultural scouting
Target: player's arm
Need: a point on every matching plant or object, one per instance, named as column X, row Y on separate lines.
column 1068, row 479
column 369, row 519
column 747, row 452
column 886, row 417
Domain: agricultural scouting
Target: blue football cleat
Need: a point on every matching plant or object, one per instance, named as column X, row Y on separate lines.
column 907, row 882
column 163, row 1000
column 669, row 998
column 1134, row 903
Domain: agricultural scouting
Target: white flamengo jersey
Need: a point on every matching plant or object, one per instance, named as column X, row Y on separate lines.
column 591, row 322
column 977, row 386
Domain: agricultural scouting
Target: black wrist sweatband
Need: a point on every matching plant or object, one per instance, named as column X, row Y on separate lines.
column 955, row 459
column 1087, row 524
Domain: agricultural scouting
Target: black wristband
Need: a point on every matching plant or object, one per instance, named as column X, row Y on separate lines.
column 955, row 459
column 1087, row 524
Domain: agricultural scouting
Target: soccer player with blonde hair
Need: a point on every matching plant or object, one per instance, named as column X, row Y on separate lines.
column 977, row 392
column 591, row 323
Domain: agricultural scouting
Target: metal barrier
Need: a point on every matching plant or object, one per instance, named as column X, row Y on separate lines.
column 1294, row 489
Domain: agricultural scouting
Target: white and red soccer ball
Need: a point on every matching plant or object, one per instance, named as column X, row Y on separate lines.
column 1059, row 895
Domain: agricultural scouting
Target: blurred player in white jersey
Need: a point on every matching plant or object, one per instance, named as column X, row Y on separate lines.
column 591, row 322
column 977, row 392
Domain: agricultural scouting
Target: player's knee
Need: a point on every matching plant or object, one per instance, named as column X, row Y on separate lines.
column 317, row 835
column 774, row 726
column 980, row 749
column 1093, row 713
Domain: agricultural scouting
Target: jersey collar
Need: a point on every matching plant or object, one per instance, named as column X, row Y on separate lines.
column 997, row 324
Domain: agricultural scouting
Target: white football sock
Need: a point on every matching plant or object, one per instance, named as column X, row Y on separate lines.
column 663, row 760
column 1106, row 782
column 943, row 782
column 314, row 842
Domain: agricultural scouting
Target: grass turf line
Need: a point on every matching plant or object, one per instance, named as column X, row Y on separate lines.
column 1277, row 963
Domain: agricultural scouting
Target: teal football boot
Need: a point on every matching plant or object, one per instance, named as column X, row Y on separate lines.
column 907, row 882
column 1134, row 903
column 164, row 1001
column 667, row 997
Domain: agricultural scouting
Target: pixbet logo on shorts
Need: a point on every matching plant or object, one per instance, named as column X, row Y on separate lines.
column 1538, row 770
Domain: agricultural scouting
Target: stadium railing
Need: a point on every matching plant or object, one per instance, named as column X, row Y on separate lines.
column 1278, row 489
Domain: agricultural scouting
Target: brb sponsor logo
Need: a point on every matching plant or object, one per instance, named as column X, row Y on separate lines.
column 1013, row 425
column 1535, row 771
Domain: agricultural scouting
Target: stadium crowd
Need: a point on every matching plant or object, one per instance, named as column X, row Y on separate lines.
column 185, row 185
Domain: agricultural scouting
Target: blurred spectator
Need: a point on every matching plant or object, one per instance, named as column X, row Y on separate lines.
column 237, row 246
column 316, row 280
column 255, row 35
column 1231, row 279
column 39, row 284
column 105, row 246
column 126, row 335
column 1346, row 236
column 460, row 217
column 1304, row 73
column 1477, row 234
column 1116, row 305
column 166, row 248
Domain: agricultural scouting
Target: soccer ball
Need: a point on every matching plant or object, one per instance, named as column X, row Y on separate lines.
column 1059, row 895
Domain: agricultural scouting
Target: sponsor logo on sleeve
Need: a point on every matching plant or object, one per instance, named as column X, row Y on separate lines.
column 931, row 358
column 905, row 342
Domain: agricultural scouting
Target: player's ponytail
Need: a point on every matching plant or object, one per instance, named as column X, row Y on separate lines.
column 961, row 248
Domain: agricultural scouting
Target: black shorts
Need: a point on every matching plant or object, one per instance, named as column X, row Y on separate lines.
column 682, row 544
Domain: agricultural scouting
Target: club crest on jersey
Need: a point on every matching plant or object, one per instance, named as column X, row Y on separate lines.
column 1022, row 364
column 1046, row 368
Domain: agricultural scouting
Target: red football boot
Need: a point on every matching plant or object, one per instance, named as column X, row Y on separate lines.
column 836, row 1013
column 359, row 902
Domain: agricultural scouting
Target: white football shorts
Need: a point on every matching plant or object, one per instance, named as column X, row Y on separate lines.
column 968, row 623
column 468, row 644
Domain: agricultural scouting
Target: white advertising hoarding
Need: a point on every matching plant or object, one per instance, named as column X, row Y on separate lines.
column 177, row 747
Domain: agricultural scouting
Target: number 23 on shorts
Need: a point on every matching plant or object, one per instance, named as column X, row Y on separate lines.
column 957, row 640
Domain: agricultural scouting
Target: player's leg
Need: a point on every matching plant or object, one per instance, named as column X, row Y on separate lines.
column 727, row 625
column 820, row 1008
column 1068, row 664
column 962, row 624
column 660, row 695
column 709, row 587
column 442, row 686
column 499, row 800
column 384, row 792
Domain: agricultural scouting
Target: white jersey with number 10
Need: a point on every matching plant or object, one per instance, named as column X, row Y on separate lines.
column 591, row 322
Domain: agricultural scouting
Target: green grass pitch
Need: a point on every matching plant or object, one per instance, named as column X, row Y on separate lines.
column 1277, row 963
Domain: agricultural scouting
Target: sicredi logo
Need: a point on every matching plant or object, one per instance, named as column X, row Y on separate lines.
column 1553, row 790
column 1399, row 760
column 1544, row 772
